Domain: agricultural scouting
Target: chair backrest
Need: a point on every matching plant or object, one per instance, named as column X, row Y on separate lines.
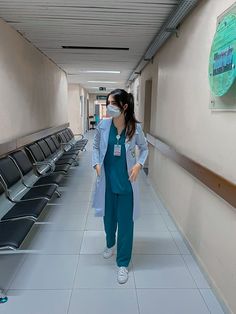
column 51, row 144
column 62, row 138
column 68, row 138
column 69, row 134
column 56, row 142
column 36, row 152
column 9, row 171
column 44, row 147
column 22, row 161
column 1, row 188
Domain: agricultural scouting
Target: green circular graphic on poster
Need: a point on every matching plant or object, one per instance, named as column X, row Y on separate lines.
column 222, row 71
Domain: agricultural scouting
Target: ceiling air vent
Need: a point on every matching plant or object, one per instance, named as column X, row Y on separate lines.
column 94, row 48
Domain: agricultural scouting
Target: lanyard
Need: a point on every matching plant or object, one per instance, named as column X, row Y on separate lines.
column 117, row 138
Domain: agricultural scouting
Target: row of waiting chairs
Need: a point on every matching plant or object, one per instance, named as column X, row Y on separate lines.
column 29, row 178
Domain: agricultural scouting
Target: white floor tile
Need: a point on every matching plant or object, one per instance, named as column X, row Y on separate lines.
column 73, row 197
column 36, row 302
column 70, row 208
column 211, row 301
column 96, row 272
column 169, row 222
column 94, row 223
column 46, row 272
column 54, row 242
column 171, row 301
column 94, row 242
column 161, row 271
column 154, row 243
column 150, row 223
column 195, row 271
column 149, row 207
column 180, row 243
column 108, row 301
column 55, row 220
column 9, row 266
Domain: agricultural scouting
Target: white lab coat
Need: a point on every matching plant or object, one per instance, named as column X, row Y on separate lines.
column 99, row 151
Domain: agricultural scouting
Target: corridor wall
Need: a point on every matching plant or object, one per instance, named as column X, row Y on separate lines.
column 180, row 115
column 33, row 90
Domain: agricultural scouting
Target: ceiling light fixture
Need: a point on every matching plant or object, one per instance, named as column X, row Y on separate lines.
column 99, row 71
column 104, row 82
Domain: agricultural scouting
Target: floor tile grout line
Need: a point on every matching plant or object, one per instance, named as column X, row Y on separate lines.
column 195, row 282
column 15, row 274
column 77, row 266
column 135, row 287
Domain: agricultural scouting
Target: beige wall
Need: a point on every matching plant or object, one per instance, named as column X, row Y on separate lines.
column 77, row 114
column 180, row 116
column 33, row 90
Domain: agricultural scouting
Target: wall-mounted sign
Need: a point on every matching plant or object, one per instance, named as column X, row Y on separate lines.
column 222, row 62
column 101, row 97
column 222, row 69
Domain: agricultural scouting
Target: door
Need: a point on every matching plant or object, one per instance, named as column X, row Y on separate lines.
column 147, row 113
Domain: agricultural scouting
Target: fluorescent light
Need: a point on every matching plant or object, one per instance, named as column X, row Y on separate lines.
column 97, row 87
column 99, row 71
column 104, row 82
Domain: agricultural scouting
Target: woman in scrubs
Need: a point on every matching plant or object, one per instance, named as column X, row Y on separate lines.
column 114, row 158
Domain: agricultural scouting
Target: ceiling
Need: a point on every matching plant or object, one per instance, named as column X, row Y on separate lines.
column 51, row 24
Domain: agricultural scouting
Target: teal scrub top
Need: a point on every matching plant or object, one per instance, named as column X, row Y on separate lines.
column 115, row 166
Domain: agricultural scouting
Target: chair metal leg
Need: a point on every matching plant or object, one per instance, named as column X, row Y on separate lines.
column 58, row 193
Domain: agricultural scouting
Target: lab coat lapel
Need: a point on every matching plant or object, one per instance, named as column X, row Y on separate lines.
column 105, row 136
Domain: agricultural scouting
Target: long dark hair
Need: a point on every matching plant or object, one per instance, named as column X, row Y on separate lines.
column 122, row 98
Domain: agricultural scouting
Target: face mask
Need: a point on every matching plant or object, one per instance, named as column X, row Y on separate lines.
column 113, row 111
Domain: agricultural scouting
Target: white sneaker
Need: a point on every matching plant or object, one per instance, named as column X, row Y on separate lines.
column 108, row 252
column 122, row 275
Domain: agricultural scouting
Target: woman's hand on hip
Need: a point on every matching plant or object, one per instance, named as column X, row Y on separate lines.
column 134, row 172
column 98, row 170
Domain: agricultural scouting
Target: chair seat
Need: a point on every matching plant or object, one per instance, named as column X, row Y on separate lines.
column 13, row 233
column 62, row 168
column 73, row 151
column 70, row 155
column 31, row 208
column 53, row 178
column 64, row 161
column 40, row 191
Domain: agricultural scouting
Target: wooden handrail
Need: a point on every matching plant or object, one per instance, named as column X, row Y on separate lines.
column 222, row 187
column 14, row 144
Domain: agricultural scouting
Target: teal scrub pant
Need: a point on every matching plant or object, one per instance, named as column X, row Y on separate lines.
column 119, row 211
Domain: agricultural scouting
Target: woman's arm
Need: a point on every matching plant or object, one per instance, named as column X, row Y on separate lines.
column 141, row 142
column 96, row 145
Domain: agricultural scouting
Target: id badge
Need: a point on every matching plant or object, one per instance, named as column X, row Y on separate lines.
column 117, row 150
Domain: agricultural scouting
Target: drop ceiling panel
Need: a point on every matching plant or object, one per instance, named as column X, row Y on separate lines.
column 51, row 24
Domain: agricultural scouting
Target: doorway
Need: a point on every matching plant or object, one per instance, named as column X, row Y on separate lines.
column 147, row 114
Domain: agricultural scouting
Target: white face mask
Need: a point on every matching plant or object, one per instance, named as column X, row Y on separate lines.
column 113, row 111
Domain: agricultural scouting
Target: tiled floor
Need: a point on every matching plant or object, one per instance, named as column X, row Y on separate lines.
column 66, row 274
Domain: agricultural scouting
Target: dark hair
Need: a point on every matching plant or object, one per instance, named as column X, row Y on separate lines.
column 122, row 98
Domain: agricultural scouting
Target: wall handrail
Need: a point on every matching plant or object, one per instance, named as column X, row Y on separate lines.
column 218, row 184
column 16, row 143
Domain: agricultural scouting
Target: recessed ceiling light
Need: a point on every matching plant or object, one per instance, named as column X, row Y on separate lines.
column 99, row 71
column 97, row 87
column 104, row 82
column 95, row 71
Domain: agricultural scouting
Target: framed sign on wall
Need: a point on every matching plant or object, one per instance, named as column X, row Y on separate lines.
column 222, row 63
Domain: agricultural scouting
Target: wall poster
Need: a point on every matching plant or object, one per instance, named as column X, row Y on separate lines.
column 222, row 63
